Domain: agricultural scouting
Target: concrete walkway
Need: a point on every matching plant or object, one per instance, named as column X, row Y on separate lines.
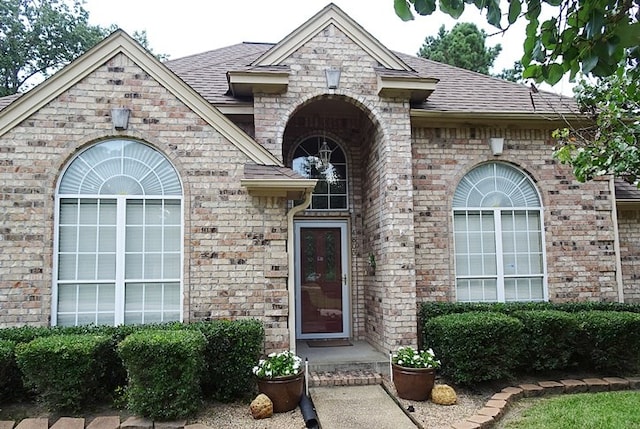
column 354, row 407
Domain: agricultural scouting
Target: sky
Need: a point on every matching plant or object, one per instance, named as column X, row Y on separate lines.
column 180, row 28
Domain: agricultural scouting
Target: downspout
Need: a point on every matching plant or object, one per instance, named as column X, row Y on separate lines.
column 616, row 240
column 291, row 280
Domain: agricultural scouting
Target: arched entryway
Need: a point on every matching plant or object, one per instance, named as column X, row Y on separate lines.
column 334, row 139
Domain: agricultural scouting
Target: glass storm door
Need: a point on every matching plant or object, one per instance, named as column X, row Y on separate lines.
column 322, row 306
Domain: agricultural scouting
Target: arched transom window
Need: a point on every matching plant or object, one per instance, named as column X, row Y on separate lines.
column 323, row 159
column 118, row 237
column 499, row 247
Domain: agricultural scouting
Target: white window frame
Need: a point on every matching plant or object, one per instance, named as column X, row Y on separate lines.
column 120, row 280
column 498, row 242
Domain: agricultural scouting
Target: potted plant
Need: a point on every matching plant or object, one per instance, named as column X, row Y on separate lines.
column 280, row 376
column 413, row 372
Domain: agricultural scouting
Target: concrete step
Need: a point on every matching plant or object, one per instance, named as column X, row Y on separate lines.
column 344, row 378
column 376, row 366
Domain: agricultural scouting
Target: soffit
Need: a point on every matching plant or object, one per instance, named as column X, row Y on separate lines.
column 276, row 181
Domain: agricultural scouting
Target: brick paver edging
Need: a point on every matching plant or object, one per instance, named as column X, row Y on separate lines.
column 496, row 406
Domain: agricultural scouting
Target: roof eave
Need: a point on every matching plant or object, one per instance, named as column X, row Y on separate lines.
column 245, row 83
column 551, row 120
column 416, row 89
column 292, row 189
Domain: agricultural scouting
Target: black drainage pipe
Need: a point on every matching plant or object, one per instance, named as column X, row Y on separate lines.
column 308, row 412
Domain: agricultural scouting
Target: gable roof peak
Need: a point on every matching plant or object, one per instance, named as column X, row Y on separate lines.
column 331, row 15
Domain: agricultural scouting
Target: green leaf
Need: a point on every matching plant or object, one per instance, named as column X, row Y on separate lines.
column 554, row 74
column 533, row 10
column 589, row 63
column 453, row 8
column 403, row 10
column 514, row 10
column 533, row 71
column 494, row 14
column 594, row 26
column 629, row 34
column 425, row 7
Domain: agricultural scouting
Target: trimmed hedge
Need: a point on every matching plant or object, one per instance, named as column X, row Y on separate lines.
column 164, row 370
column 549, row 339
column 233, row 347
column 610, row 341
column 603, row 337
column 9, row 373
column 67, row 371
column 476, row 346
column 232, row 350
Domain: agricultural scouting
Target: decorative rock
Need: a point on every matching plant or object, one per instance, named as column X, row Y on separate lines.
column 443, row 394
column 261, row 407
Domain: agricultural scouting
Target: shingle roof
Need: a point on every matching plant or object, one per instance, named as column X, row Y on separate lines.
column 255, row 171
column 207, row 72
column 5, row 101
column 458, row 90
column 626, row 191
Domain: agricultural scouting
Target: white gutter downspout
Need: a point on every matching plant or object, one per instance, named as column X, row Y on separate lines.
column 291, row 282
column 616, row 241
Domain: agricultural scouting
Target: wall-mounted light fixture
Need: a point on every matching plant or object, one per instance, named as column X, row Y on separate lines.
column 120, row 118
column 333, row 77
column 496, row 144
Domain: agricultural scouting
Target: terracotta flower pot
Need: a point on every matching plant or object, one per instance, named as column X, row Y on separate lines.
column 413, row 383
column 284, row 392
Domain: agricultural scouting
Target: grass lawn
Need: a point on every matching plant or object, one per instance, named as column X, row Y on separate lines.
column 605, row 410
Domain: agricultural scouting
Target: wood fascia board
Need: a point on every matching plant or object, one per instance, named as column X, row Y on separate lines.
column 488, row 118
column 418, row 88
column 279, row 187
column 331, row 15
column 120, row 42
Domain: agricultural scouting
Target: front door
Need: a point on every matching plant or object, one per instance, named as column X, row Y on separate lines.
column 322, row 295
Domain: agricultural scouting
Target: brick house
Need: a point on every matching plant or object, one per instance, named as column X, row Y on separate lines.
column 323, row 184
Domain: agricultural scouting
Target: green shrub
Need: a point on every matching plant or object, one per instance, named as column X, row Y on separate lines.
column 610, row 341
column 232, row 349
column 164, row 370
column 475, row 346
column 66, row 371
column 25, row 334
column 9, row 373
column 549, row 339
column 430, row 309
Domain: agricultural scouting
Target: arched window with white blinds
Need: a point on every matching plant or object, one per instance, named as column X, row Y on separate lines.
column 498, row 235
column 118, row 237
